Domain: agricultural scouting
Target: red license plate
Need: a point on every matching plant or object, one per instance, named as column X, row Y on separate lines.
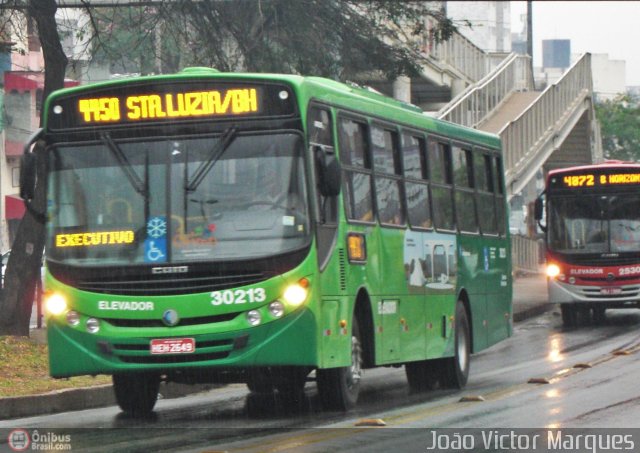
column 173, row 346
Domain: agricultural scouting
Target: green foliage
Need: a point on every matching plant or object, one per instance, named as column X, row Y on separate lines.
column 340, row 39
column 620, row 127
column 24, row 369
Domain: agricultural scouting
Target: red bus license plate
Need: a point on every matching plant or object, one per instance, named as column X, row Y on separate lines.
column 173, row 346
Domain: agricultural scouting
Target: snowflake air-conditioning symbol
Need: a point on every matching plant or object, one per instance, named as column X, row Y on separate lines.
column 157, row 227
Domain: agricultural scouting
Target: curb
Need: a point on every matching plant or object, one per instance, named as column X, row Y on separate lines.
column 532, row 311
column 80, row 399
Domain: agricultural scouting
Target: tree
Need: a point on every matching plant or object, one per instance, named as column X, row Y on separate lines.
column 340, row 39
column 23, row 268
column 620, row 126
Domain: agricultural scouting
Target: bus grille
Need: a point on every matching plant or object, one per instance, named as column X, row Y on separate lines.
column 151, row 323
column 206, row 350
column 148, row 285
column 627, row 292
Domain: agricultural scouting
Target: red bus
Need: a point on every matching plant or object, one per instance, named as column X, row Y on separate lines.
column 592, row 236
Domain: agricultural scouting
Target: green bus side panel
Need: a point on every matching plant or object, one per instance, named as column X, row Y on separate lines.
column 335, row 331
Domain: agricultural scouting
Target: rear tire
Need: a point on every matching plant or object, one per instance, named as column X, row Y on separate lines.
column 456, row 368
column 339, row 388
column 423, row 375
column 136, row 393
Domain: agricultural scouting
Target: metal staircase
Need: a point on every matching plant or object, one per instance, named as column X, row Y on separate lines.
column 540, row 130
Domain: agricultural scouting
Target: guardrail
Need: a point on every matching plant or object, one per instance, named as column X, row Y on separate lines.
column 522, row 137
column 481, row 99
column 526, row 255
column 460, row 54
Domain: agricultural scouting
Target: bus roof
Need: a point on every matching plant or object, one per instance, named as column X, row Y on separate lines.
column 608, row 164
column 347, row 96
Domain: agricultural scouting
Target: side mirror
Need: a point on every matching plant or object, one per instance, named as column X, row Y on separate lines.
column 537, row 209
column 538, row 212
column 28, row 163
column 28, row 176
column 329, row 172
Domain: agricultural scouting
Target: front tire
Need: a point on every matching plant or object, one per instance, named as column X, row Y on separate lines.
column 136, row 393
column 339, row 388
column 569, row 315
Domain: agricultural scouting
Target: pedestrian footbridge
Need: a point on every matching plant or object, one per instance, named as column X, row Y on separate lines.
column 541, row 128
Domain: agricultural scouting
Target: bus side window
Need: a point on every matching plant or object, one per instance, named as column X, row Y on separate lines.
column 441, row 187
column 320, row 128
column 353, row 153
column 485, row 193
column 388, row 184
column 464, row 193
column 416, row 185
column 498, row 186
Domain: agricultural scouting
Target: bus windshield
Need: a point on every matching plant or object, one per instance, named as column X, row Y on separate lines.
column 177, row 200
column 595, row 223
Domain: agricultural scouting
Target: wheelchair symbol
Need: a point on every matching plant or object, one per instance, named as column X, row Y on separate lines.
column 154, row 253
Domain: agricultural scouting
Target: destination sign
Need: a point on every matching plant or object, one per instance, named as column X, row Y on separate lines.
column 163, row 101
column 170, row 105
column 611, row 178
column 89, row 239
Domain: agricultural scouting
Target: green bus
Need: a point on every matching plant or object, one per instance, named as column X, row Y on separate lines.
column 268, row 230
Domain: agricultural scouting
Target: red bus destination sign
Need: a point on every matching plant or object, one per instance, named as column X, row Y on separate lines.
column 587, row 179
column 168, row 102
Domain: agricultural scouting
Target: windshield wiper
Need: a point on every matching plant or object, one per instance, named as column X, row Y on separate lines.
column 137, row 183
column 216, row 152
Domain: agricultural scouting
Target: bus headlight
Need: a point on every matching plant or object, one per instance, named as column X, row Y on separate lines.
column 73, row 318
column 553, row 270
column 93, row 325
column 254, row 317
column 55, row 304
column 276, row 308
column 296, row 294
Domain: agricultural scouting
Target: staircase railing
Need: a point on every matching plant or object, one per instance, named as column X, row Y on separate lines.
column 461, row 55
column 481, row 99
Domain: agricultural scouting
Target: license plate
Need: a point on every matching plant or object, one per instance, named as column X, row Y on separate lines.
column 610, row 291
column 173, row 346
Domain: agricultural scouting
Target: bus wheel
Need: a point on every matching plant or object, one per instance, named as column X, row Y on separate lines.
column 136, row 393
column 569, row 315
column 599, row 316
column 339, row 387
column 259, row 380
column 290, row 383
column 457, row 367
column 423, row 375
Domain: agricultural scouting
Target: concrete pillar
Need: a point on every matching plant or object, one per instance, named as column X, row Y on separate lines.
column 402, row 89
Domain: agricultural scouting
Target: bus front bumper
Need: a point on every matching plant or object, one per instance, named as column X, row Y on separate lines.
column 287, row 341
column 606, row 296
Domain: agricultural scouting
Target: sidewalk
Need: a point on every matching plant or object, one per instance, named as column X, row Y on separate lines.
column 529, row 300
column 530, row 296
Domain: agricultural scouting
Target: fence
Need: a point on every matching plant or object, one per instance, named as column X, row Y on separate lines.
column 526, row 255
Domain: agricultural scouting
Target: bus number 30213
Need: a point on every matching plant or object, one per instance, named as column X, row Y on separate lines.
column 238, row 296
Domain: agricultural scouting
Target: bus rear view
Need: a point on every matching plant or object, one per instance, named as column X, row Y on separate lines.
column 592, row 239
